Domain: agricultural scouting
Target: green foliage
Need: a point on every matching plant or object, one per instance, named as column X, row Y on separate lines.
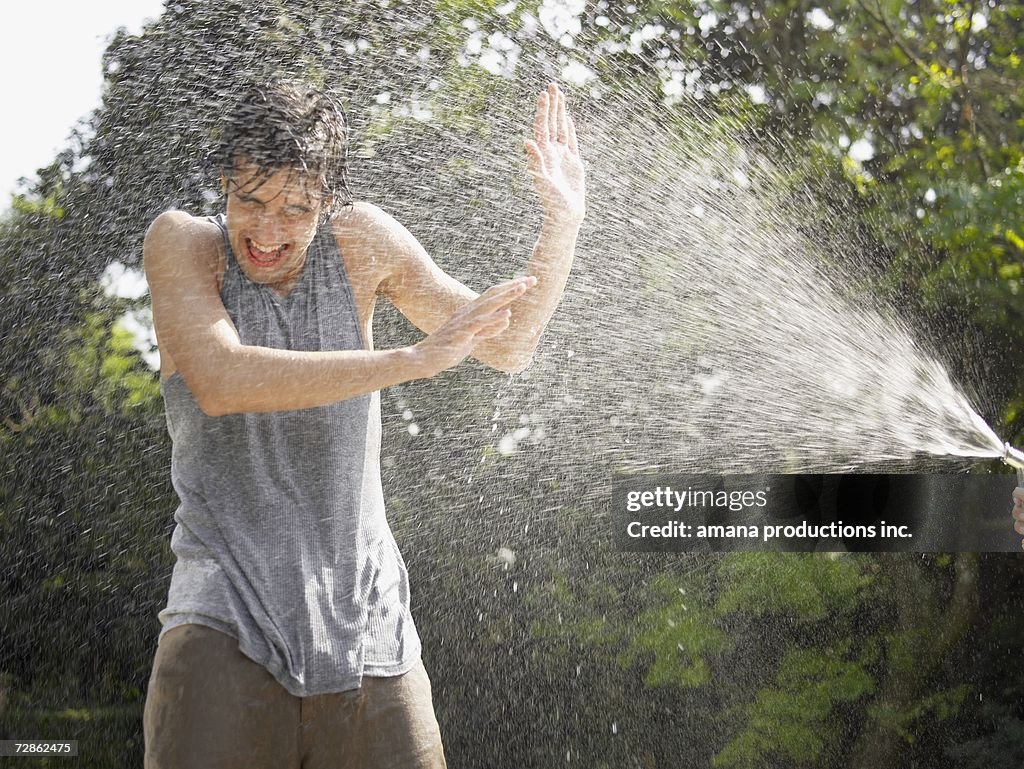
column 46, row 207
column 939, row 706
column 455, row 11
column 583, row 624
column 104, row 734
column 809, row 588
column 103, row 360
column 791, row 719
column 679, row 635
column 777, row 660
column 797, row 644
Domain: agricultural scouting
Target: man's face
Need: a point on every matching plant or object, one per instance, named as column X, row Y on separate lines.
column 271, row 221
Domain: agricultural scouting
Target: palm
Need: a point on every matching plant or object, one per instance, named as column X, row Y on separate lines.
column 554, row 159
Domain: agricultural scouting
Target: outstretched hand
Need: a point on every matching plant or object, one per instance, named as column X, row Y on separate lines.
column 485, row 317
column 553, row 158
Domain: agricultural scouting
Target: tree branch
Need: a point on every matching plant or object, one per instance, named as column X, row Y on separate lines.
column 879, row 17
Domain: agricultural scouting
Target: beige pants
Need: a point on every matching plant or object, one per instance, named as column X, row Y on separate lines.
column 208, row 706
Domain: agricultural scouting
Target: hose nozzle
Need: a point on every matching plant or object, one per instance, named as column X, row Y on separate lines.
column 1015, row 459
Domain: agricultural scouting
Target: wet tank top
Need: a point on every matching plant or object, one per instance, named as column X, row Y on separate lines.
column 281, row 538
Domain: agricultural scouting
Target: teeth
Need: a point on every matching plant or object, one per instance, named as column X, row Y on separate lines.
column 265, row 249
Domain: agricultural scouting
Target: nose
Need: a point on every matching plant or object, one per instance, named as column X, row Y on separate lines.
column 269, row 229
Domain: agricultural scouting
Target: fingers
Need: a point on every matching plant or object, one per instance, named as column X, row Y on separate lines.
column 552, row 112
column 501, row 294
column 1018, row 511
column 534, row 159
column 511, row 284
column 540, row 120
column 563, row 118
column 552, row 123
column 496, row 324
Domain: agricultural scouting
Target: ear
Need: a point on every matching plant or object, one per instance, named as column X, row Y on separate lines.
column 325, row 207
column 223, row 184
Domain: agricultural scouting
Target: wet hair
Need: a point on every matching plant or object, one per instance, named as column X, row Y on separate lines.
column 288, row 125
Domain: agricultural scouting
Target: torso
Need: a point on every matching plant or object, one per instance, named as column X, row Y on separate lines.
column 365, row 276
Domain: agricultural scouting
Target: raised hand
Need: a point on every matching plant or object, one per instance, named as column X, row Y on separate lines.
column 553, row 158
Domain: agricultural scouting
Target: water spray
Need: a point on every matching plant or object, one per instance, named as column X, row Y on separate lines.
column 1015, row 459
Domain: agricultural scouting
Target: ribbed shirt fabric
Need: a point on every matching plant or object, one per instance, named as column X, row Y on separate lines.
column 281, row 537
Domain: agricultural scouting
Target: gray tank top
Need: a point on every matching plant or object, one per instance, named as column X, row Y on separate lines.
column 281, row 538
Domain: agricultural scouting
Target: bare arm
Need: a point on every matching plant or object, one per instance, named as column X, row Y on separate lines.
column 554, row 161
column 427, row 296
column 421, row 290
column 228, row 377
column 551, row 262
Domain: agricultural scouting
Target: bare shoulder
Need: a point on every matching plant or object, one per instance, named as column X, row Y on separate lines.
column 362, row 219
column 183, row 257
column 176, row 240
column 375, row 240
column 176, row 225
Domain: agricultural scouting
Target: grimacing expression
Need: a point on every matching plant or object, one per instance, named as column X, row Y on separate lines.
column 271, row 220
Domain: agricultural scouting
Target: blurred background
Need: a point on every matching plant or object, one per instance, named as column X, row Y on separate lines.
column 885, row 136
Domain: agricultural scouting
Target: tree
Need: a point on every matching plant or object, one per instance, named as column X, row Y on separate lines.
column 436, row 101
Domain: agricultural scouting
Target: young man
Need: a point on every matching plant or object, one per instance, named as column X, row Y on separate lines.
column 287, row 639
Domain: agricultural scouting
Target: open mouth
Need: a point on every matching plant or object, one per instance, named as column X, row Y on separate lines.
column 264, row 255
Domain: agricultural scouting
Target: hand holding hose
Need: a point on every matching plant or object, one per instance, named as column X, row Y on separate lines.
column 1018, row 511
